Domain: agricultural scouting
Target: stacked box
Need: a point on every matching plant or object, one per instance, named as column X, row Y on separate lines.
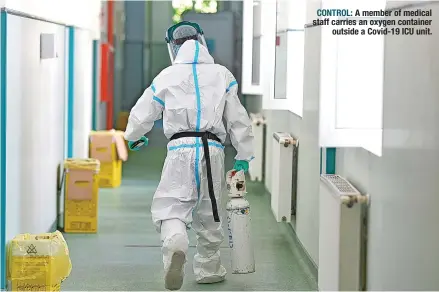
column 122, row 121
column 110, row 149
column 111, row 174
column 81, row 195
column 37, row 262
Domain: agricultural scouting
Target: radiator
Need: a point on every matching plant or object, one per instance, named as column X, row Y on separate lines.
column 340, row 234
column 284, row 146
column 257, row 165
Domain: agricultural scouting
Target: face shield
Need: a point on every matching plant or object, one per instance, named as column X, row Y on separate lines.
column 177, row 34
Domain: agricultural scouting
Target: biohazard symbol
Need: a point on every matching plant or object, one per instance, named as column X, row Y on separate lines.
column 31, row 249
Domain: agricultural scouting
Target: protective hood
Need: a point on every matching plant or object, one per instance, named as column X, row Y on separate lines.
column 193, row 52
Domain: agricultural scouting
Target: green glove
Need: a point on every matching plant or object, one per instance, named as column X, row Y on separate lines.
column 241, row 165
column 136, row 145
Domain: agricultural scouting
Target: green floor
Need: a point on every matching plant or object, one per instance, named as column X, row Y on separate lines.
column 125, row 255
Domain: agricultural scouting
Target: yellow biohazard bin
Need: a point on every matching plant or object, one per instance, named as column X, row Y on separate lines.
column 111, row 174
column 110, row 149
column 122, row 121
column 81, row 195
column 38, row 262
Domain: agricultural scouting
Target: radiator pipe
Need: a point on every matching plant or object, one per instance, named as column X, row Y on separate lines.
column 288, row 142
column 349, row 201
column 257, row 119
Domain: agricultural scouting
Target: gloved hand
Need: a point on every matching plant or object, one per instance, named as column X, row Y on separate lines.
column 136, row 145
column 241, row 165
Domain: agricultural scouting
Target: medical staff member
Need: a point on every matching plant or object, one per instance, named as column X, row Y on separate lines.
column 194, row 95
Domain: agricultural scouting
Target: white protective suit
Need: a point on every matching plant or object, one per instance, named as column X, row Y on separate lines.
column 194, row 95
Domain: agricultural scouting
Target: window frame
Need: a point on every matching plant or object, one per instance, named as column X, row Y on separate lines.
column 329, row 134
column 247, row 86
column 285, row 32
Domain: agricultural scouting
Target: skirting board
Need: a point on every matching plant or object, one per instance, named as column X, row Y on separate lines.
column 53, row 227
column 309, row 262
column 295, row 241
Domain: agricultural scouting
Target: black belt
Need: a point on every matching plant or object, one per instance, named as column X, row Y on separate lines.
column 205, row 136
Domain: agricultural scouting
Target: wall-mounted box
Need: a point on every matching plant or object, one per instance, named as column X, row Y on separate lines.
column 47, row 46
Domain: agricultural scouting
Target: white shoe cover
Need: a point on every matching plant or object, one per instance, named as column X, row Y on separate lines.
column 213, row 278
column 175, row 273
column 175, row 247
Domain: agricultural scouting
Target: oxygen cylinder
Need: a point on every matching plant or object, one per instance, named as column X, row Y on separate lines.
column 239, row 225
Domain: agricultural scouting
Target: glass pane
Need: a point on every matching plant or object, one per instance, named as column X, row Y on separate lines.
column 256, row 18
column 295, row 66
column 360, row 72
column 256, row 47
column 280, row 57
column 256, row 60
column 280, row 73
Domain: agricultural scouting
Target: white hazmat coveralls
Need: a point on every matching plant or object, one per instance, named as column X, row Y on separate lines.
column 194, row 95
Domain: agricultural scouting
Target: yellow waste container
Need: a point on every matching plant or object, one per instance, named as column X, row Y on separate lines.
column 111, row 174
column 110, row 149
column 38, row 262
column 122, row 120
column 81, row 195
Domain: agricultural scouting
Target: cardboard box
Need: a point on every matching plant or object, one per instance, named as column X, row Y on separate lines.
column 81, row 195
column 108, row 146
column 111, row 174
column 38, row 262
column 110, row 149
column 122, row 121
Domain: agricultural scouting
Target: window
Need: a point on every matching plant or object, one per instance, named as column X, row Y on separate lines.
column 256, row 44
column 251, row 47
column 200, row 6
column 289, row 60
column 268, row 51
column 351, row 89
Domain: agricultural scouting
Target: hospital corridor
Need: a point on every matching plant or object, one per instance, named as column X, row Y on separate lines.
column 214, row 145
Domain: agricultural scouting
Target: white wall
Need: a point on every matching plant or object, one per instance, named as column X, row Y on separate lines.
column 403, row 235
column 36, row 101
column 403, row 183
column 308, row 178
column 277, row 121
column 306, row 130
column 79, row 13
column 83, row 92
column 35, row 128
